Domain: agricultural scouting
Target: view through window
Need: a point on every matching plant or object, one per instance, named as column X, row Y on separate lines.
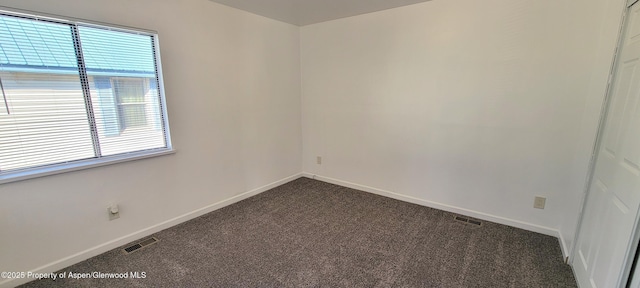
column 72, row 91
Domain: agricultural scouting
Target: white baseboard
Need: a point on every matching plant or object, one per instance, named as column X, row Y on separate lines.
column 563, row 246
column 97, row 250
column 444, row 207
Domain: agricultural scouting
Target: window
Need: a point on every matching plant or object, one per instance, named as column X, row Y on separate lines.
column 76, row 94
column 131, row 103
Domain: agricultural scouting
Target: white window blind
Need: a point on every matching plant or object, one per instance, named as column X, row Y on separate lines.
column 73, row 92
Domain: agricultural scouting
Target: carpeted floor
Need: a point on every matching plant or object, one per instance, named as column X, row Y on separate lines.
column 308, row 233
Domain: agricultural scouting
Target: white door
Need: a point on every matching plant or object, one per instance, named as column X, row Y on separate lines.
column 604, row 243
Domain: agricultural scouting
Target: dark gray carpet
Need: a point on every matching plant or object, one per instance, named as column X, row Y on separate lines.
column 308, row 233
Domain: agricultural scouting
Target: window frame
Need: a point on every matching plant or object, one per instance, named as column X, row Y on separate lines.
column 99, row 160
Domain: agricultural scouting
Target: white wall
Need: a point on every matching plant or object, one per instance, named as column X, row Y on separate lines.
column 470, row 106
column 232, row 84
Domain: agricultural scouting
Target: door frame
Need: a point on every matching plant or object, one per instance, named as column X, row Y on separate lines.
column 624, row 275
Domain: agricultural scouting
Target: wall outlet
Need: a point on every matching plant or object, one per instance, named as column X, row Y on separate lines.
column 319, row 160
column 114, row 212
column 539, row 202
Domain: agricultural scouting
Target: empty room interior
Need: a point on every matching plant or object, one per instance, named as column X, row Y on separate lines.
column 289, row 143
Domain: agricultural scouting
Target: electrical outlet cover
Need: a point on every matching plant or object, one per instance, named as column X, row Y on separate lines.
column 539, row 202
column 112, row 216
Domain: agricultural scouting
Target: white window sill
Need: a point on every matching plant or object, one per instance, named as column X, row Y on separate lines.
column 80, row 165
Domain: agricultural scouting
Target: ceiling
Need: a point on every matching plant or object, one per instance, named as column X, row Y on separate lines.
column 305, row 12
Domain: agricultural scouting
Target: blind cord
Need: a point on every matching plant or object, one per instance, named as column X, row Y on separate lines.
column 4, row 96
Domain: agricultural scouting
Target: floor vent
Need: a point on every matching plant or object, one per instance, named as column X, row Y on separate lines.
column 137, row 246
column 468, row 221
column 475, row 222
column 461, row 219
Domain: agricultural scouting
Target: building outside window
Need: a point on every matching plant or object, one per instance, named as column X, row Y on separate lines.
column 130, row 96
